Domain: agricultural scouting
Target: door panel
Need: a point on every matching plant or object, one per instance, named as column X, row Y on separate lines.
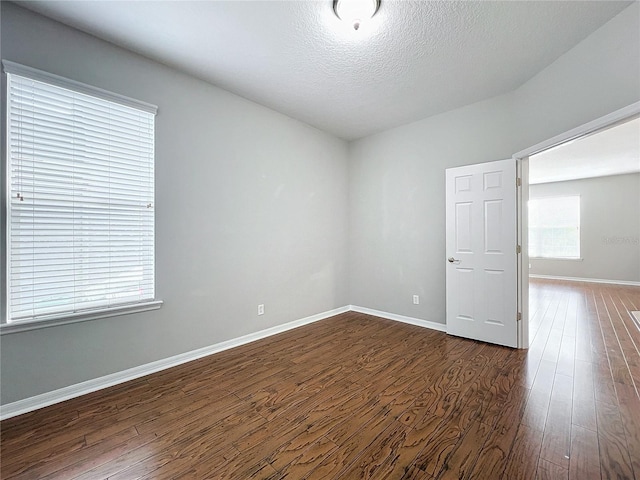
column 492, row 226
column 463, row 227
column 481, row 249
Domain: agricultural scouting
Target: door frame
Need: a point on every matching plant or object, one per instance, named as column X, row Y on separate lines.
column 522, row 162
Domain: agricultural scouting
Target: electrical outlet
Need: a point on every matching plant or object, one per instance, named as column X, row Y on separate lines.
column 416, row 299
column 261, row 309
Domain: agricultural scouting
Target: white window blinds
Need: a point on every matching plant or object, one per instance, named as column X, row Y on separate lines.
column 554, row 227
column 81, row 207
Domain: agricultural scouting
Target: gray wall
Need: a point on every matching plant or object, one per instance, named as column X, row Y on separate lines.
column 396, row 178
column 598, row 76
column 251, row 208
column 609, row 228
column 397, row 214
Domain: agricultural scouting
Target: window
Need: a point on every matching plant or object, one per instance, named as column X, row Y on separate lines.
column 554, row 227
column 80, row 223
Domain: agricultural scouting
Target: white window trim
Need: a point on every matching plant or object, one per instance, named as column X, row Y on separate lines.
column 35, row 74
column 16, row 326
column 77, row 317
column 570, row 259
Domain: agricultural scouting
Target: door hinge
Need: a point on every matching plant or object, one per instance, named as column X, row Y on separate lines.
column 518, row 182
column 519, row 316
column 518, row 249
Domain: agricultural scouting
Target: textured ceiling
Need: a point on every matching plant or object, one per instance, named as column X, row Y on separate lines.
column 413, row 59
column 613, row 151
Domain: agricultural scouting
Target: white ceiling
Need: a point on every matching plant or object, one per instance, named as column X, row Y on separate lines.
column 413, row 59
column 609, row 152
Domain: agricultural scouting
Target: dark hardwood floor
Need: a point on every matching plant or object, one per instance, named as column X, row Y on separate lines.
column 357, row 397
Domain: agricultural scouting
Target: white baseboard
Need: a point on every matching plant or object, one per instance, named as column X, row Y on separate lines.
column 401, row 318
column 589, row 280
column 56, row 396
column 49, row 398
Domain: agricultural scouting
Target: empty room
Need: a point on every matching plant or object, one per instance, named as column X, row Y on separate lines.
column 308, row 240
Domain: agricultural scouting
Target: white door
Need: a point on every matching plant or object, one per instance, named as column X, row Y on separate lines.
column 482, row 296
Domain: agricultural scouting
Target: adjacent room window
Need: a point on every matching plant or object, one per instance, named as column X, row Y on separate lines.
column 554, row 227
column 80, row 223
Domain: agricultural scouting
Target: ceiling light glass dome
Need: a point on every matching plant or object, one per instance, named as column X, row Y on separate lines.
column 355, row 11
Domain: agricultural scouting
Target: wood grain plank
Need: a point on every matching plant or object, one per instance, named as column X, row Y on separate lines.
column 556, row 442
column 614, row 454
column 377, row 454
column 499, row 443
column 310, row 458
column 550, row 471
column 409, row 446
column 630, row 414
column 522, row 462
column 538, row 404
column 584, row 401
column 584, row 463
column 461, row 460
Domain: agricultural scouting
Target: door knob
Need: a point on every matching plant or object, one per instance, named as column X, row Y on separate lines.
column 452, row 260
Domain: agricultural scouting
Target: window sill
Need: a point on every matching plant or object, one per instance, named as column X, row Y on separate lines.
column 26, row 325
column 557, row 258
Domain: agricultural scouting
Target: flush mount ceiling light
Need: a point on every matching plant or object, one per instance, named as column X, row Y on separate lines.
column 355, row 11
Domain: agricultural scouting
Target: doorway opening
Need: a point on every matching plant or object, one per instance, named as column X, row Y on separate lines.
column 579, row 218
